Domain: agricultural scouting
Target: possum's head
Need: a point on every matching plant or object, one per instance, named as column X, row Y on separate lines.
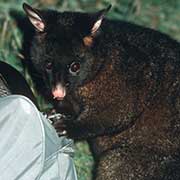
column 63, row 48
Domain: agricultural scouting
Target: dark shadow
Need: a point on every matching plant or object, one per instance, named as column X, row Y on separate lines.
column 15, row 81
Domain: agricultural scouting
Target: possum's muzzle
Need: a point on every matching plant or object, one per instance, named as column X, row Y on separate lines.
column 59, row 92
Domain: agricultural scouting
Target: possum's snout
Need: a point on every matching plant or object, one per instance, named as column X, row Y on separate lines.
column 59, row 92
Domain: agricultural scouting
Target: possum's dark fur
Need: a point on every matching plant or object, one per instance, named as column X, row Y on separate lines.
column 125, row 100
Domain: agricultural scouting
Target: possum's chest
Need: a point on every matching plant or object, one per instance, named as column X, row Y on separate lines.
column 101, row 89
column 107, row 89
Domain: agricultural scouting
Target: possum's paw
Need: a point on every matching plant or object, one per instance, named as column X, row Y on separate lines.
column 57, row 121
column 60, row 127
column 64, row 126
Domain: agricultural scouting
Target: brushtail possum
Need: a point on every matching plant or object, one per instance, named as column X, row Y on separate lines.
column 120, row 83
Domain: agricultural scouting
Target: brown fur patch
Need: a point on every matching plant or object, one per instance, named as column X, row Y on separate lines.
column 88, row 41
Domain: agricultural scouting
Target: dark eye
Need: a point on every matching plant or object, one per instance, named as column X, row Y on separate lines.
column 49, row 66
column 74, row 68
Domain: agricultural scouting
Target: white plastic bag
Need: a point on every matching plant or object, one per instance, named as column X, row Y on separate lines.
column 29, row 146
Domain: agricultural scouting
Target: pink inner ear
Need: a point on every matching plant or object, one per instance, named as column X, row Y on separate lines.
column 39, row 25
column 96, row 26
column 36, row 20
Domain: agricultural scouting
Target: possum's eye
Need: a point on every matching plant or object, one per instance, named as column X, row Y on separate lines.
column 74, row 68
column 48, row 66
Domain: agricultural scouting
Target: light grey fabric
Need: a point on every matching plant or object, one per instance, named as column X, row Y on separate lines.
column 29, row 146
column 4, row 89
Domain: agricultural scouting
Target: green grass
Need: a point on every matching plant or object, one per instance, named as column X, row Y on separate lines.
column 158, row 14
column 83, row 161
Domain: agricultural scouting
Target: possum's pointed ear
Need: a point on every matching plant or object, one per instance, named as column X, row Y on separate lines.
column 88, row 40
column 99, row 18
column 35, row 17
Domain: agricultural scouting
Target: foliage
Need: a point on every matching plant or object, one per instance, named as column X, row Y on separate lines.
column 163, row 15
